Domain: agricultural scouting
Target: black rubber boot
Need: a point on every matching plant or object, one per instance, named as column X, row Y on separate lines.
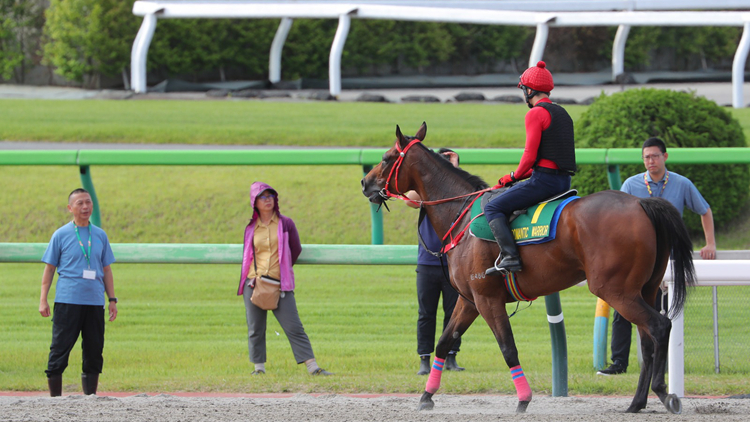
column 89, row 382
column 424, row 365
column 511, row 260
column 55, row 385
column 451, row 364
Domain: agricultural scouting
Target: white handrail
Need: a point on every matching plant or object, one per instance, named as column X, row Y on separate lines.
column 542, row 14
column 708, row 273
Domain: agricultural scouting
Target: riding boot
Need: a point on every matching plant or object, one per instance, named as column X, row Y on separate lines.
column 55, row 385
column 451, row 364
column 511, row 260
column 424, row 365
column 89, row 383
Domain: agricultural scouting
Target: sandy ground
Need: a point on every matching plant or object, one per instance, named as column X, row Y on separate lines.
column 339, row 408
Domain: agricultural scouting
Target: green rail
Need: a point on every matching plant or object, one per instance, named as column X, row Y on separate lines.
column 190, row 253
column 364, row 157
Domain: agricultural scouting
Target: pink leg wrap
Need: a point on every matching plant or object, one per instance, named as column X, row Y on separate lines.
column 433, row 382
column 522, row 386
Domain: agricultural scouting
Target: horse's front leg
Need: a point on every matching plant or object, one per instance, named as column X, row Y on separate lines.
column 496, row 316
column 463, row 316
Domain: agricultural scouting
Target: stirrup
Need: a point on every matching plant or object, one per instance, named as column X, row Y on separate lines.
column 502, row 270
column 495, row 269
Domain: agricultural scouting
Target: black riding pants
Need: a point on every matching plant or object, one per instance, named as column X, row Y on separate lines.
column 68, row 322
column 430, row 284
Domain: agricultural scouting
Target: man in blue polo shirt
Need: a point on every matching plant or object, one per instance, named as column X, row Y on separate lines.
column 680, row 192
column 82, row 256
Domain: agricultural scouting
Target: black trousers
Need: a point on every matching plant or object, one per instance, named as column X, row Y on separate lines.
column 430, row 284
column 622, row 331
column 68, row 322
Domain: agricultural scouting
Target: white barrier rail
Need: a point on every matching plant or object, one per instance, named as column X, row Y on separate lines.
column 708, row 273
column 542, row 14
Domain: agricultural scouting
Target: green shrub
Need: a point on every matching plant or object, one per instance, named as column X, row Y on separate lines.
column 626, row 119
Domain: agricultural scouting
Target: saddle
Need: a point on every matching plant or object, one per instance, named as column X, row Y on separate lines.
column 536, row 224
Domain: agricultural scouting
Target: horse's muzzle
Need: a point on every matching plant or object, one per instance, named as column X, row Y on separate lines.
column 372, row 192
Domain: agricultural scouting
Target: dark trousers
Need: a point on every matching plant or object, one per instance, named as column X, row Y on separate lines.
column 68, row 322
column 537, row 188
column 622, row 331
column 430, row 284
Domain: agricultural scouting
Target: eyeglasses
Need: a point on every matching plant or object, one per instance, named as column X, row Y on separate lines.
column 651, row 157
column 267, row 196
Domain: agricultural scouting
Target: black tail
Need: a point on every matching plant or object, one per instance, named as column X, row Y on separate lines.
column 671, row 232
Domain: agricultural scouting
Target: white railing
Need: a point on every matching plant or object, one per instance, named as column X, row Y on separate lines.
column 708, row 273
column 541, row 14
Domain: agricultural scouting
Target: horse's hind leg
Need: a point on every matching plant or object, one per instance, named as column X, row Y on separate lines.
column 661, row 329
column 463, row 316
column 493, row 311
column 653, row 329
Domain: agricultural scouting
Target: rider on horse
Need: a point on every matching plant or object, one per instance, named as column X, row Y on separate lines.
column 548, row 162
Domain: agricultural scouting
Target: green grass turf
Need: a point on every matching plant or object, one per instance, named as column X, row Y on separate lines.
column 182, row 328
column 269, row 122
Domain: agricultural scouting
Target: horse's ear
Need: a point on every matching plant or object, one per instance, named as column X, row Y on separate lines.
column 399, row 136
column 422, row 131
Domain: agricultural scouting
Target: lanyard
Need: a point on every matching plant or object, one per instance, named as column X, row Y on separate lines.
column 666, row 180
column 80, row 242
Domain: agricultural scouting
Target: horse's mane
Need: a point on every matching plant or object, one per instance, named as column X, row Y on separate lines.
column 474, row 181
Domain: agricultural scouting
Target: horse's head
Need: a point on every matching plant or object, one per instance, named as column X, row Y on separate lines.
column 389, row 177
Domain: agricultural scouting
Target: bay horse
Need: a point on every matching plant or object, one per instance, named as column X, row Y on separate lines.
column 619, row 243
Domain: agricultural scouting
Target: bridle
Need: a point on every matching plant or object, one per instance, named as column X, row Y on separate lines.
column 386, row 194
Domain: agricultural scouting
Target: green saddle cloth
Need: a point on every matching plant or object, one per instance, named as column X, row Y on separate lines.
column 537, row 225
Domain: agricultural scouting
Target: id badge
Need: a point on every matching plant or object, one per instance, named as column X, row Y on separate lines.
column 89, row 274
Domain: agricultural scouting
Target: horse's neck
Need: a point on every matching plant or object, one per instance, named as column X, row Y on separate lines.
column 442, row 215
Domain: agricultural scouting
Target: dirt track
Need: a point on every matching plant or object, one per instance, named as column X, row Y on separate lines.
column 339, row 408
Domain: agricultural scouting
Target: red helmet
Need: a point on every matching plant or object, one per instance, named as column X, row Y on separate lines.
column 537, row 78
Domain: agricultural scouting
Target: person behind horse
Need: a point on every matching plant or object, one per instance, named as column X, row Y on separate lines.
column 548, row 162
column 680, row 192
column 271, row 248
column 431, row 282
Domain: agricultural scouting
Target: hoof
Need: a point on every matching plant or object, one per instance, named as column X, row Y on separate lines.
column 633, row 409
column 673, row 404
column 426, row 403
column 522, row 405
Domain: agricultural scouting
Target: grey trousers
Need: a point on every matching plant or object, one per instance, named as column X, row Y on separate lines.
column 289, row 320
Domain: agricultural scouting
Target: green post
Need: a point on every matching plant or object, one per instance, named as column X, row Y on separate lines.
column 559, row 345
column 613, row 173
column 376, row 217
column 88, row 184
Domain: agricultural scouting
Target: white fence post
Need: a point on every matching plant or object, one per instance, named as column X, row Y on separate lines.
column 334, row 59
column 274, row 58
column 738, row 65
column 540, row 41
column 676, row 359
column 139, row 53
column 618, row 51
